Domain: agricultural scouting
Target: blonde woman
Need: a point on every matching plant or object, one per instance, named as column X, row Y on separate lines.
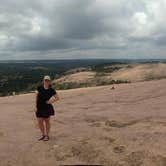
column 45, row 97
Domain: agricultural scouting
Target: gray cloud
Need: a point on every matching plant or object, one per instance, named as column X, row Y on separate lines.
column 82, row 28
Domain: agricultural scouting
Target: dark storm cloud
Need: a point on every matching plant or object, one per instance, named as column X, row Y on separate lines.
column 53, row 25
column 30, row 27
column 41, row 43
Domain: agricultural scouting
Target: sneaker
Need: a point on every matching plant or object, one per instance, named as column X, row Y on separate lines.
column 46, row 138
column 41, row 138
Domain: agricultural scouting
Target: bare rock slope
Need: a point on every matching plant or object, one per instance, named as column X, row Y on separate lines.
column 121, row 127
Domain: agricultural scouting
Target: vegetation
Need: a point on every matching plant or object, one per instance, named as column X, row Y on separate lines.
column 74, row 85
column 24, row 76
column 106, row 67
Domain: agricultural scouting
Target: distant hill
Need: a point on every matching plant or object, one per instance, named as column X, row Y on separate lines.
column 141, row 72
column 112, row 74
column 25, row 76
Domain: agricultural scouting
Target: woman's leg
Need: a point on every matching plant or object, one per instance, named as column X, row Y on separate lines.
column 48, row 126
column 41, row 125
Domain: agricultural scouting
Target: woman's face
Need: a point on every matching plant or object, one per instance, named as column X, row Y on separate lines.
column 47, row 82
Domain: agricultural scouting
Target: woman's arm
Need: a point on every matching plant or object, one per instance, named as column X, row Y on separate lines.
column 53, row 99
column 36, row 95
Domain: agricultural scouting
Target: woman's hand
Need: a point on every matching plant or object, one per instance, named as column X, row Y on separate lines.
column 48, row 102
column 53, row 99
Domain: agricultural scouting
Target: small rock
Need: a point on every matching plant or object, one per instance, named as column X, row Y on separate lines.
column 112, row 88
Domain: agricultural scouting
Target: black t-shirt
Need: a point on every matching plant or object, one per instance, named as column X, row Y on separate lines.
column 43, row 96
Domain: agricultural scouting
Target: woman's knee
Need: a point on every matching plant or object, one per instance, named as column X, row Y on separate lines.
column 47, row 120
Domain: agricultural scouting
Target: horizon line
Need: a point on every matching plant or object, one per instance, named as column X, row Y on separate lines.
column 83, row 59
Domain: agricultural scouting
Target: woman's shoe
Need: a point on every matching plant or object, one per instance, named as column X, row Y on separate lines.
column 41, row 138
column 46, row 138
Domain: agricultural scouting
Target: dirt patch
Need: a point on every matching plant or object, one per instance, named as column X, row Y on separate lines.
column 109, row 139
column 135, row 158
column 119, row 149
column 96, row 124
column 2, row 134
column 85, row 152
column 114, row 123
column 159, row 160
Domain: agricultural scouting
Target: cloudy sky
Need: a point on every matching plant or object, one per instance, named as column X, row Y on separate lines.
column 51, row 29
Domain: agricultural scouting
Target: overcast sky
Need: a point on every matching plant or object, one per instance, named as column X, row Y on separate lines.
column 50, row 29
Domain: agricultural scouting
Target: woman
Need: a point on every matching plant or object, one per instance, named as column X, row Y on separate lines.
column 45, row 97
